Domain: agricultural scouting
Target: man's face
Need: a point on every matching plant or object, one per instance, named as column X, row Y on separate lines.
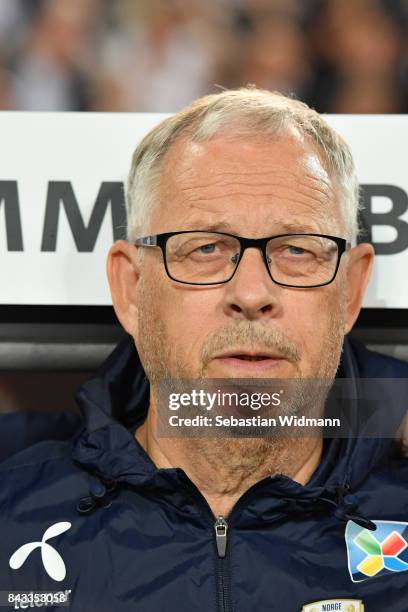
column 250, row 188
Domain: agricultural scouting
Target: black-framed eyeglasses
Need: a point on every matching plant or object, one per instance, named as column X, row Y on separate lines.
column 204, row 257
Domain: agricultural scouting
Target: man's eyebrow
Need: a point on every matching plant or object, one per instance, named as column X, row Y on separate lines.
column 218, row 226
column 297, row 227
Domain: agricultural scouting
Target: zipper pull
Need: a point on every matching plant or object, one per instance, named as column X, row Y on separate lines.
column 221, row 527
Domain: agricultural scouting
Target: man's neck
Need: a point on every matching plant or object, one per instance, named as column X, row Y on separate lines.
column 223, row 469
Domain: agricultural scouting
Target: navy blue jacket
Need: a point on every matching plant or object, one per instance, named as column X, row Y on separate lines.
column 19, row 430
column 131, row 537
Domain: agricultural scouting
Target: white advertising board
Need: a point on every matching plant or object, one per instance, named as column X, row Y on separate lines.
column 61, row 195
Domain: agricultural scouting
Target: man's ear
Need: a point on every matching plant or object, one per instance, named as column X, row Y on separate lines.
column 123, row 269
column 359, row 267
column 402, row 437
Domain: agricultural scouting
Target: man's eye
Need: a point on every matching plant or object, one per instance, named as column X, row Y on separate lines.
column 296, row 250
column 207, row 248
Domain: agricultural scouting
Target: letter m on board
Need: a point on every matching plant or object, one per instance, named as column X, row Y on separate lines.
column 60, row 194
column 9, row 201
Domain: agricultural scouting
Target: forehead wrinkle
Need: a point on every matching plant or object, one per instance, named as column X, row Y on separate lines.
column 307, row 195
column 324, row 182
column 313, row 199
column 309, row 186
column 216, row 176
column 313, row 215
column 262, row 189
column 316, row 193
column 271, row 177
column 273, row 200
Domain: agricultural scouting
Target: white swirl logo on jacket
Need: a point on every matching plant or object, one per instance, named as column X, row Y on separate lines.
column 52, row 560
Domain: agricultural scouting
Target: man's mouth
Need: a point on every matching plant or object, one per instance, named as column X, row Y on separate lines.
column 246, row 355
column 249, row 359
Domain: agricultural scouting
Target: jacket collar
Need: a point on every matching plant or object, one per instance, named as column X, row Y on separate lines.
column 115, row 402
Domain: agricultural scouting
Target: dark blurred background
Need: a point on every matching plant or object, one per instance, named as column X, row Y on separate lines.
column 340, row 56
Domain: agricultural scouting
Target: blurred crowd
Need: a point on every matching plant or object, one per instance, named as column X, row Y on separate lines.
column 343, row 56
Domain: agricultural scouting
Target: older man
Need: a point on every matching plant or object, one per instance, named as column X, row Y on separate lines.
column 239, row 264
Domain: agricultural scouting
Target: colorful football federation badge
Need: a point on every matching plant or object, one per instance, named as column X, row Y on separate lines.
column 372, row 554
column 330, row 605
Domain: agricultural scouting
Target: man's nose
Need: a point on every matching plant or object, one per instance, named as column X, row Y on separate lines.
column 251, row 293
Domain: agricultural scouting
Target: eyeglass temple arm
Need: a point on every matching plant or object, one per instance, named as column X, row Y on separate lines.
column 146, row 241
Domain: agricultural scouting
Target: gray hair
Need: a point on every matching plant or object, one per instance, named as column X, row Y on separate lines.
column 252, row 113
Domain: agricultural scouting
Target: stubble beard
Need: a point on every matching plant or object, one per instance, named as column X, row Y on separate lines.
column 241, row 456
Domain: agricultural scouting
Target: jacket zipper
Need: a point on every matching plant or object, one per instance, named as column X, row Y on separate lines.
column 221, row 531
column 221, row 541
